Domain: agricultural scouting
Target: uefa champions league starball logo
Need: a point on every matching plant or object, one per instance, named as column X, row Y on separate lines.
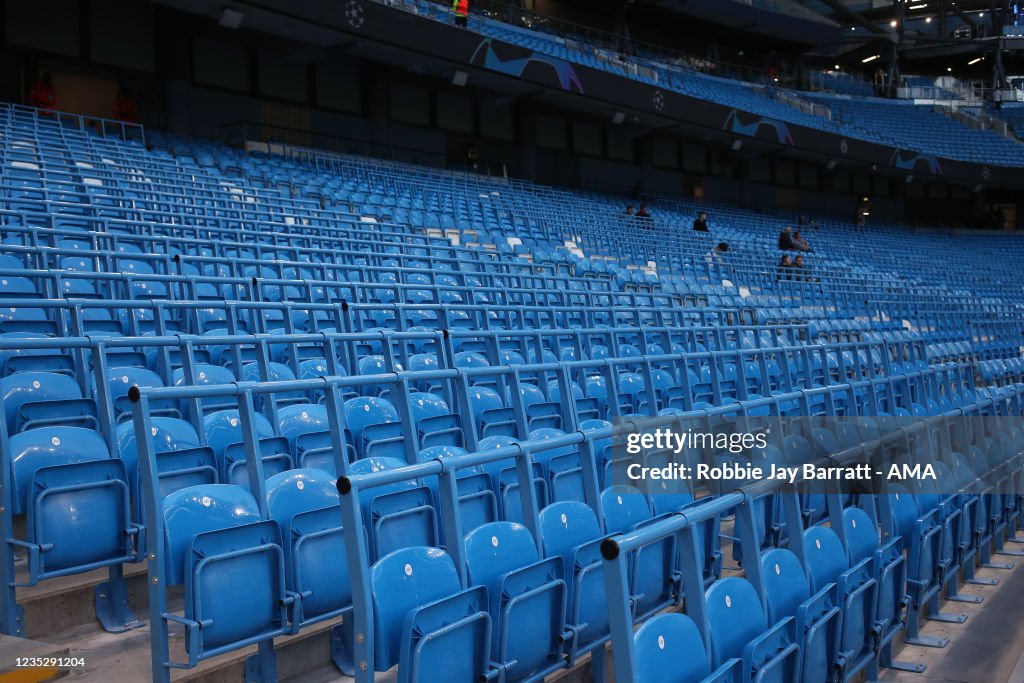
column 354, row 13
column 659, row 100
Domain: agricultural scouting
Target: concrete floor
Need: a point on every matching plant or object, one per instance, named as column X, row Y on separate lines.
column 987, row 647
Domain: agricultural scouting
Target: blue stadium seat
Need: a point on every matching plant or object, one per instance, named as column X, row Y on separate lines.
column 669, row 649
column 214, row 535
column 739, row 629
column 422, row 615
column 527, row 599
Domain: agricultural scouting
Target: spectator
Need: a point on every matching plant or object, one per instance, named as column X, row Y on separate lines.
column 799, row 243
column 799, row 272
column 43, row 94
column 784, row 271
column 124, row 106
column 629, row 211
column 471, row 157
column 786, row 239
column 644, row 213
column 461, row 9
column 700, row 223
column 716, row 257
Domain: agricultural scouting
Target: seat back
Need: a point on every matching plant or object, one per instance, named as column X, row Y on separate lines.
column 669, row 649
column 825, row 556
column 48, row 447
column 194, row 510
column 861, row 534
column 624, row 507
column 785, row 584
column 735, row 618
column 400, row 582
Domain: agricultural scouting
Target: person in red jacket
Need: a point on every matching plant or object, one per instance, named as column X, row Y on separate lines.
column 43, row 95
column 461, row 9
column 124, row 107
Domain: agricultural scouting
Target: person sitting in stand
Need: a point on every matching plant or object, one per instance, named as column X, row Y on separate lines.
column 799, row 272
column 786, row 239
column 700, row 223
column 799, row 243
column 784, row 271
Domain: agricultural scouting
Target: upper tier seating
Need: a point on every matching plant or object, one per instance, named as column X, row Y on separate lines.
column 900, row 124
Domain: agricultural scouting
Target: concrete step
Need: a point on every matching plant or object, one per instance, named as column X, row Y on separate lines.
column 65, row 606
column 12, row 649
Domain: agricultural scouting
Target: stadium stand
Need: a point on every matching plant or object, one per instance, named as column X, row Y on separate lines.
column 848, row 109
column 318, row 391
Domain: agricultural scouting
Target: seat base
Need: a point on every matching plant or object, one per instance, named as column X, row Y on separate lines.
column 927, row 641
column 906, row 666
column 997, row 565
column 341, row 648
column 112, row 609
column 262, row 666
column 982, row 582
column 948, row 617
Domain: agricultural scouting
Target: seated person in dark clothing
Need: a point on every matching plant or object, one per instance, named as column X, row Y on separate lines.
column 700, row 223
column 786, row 239
column 629, row 211
column 799, row 273
column 643, row 212
column 784, row 271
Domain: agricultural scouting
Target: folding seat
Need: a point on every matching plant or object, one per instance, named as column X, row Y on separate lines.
column 304, row 503
column 121, row 380
column 306, row 426
column 817, row 617
column 75, row 499
column 213, row 537
column 397, row 515
column 169, row 435
column 375, row 365
column 223, row 433
column 570, row 530
column 276, row 372
column 422, row 617
column 478, row 504
column 928, row 541
column 491, row 416
column 204, row 375
column 562, row 466
column 527, row 600
column 505, row 480
column 539, row 411
column 20, row 359
column 664, row 502
column 739, row 629
column 370, row 421
column 655, row 578
column 435, row 424
column 827, row 562
column 889, row 571
column 36, row 399
column 631, row 388
column 669, row 649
